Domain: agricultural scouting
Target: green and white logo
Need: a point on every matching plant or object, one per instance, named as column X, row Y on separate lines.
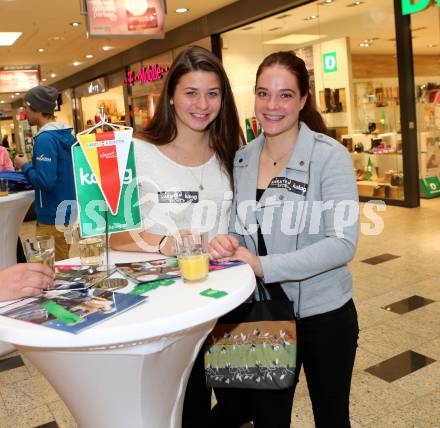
column 410, row 6
column 329, row 60
column 92, row 205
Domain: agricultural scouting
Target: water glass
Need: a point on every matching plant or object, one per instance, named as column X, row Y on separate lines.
column 91, row 251
column 40, row 249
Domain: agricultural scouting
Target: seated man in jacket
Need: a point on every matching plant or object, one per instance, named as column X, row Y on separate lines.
column 51, row 171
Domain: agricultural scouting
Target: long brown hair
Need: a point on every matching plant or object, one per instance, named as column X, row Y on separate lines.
column 225, row 135
column 309, row 114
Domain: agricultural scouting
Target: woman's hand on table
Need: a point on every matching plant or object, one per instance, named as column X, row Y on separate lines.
column 25, row 280
column 244, row 255
column 223, row 246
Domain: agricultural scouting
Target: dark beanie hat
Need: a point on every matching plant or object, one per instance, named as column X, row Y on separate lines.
column 42, row 99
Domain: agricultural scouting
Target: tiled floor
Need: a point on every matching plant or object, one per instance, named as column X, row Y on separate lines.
column 410, row 398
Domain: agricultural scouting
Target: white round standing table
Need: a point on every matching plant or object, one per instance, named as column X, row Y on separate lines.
column 132, row 370
column 13, row 209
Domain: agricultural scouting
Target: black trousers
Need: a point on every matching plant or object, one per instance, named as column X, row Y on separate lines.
column 326, row 349
column 197, row 402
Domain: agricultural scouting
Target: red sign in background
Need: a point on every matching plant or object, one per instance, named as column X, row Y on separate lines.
column 116, row 18
column 18, row 80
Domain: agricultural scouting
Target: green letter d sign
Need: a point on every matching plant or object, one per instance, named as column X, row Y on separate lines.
column 409, row 7
column 329, row 60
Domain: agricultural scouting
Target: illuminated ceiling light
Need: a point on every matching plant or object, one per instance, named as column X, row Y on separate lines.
column 182, row 10
column 9, row 38
column 44, row 80
column 12, row 96
column 17, row 93
column 88, row 56
column 364, row 45
column 136, row 7
column 324, row 2
column 75, row 24
column 106, row 48
column 76, row 63
column 431, row 46
column 310, row 18
column 356, row 3
column 2, row 101
column 53, row 75
column 40, row 50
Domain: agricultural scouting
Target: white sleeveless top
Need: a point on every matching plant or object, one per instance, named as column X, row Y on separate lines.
column 170, row 194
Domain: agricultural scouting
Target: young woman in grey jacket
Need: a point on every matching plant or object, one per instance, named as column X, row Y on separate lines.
column 295, row 222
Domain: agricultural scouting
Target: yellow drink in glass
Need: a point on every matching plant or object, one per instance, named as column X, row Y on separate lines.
column 194, row 267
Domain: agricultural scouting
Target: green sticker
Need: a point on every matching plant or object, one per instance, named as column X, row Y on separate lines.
column 144, row 287
column 61, row 314
column 172, row 262
column 215, row 294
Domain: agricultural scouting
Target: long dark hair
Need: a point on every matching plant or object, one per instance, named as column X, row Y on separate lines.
column 309, row 114
column 225, row 135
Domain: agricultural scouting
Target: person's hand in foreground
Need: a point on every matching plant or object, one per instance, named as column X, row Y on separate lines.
column 224, row 248
column 25, row 280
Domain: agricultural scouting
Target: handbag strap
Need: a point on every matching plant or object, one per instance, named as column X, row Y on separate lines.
column 273, row 292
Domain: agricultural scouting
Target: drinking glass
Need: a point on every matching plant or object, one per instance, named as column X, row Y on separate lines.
column 40, row 249
column 91, row 251
column 4, row 187
column 192, row 255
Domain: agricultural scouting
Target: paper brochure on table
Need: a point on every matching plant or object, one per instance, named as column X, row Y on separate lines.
column 154, row 270
column 72, row 311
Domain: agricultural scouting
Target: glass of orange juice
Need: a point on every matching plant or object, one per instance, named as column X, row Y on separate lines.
column 192, row 255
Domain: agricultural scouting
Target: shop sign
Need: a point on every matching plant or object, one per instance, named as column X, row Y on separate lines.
column 409, row 6
column 105, row 180
column 94, row 87
column 147, row 74
column 430, row 187
column 18, row 80
column 129, row 18
column 329, row 60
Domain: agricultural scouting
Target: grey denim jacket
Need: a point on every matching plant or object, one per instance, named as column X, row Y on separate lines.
column 309, row 216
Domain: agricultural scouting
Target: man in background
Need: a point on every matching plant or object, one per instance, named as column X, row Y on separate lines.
column 51, row 171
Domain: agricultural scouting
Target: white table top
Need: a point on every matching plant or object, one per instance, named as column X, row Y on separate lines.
column 167, row 310
column 16, row 196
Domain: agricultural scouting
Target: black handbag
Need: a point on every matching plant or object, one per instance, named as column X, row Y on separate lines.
column 254, row 346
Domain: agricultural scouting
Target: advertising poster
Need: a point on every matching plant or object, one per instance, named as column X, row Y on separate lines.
column 126, row 18
column 18, row 80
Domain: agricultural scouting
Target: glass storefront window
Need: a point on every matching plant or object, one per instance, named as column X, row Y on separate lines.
column 425, row 31
column 350, row 52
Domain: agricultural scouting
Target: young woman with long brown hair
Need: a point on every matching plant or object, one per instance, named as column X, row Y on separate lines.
column 184, row 164
column 298, row 176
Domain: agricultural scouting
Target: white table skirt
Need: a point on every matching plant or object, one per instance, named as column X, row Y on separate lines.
column 13, row 209
column 132, row 370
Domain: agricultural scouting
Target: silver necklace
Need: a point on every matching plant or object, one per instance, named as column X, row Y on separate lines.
column 200, row 187
column 275, row 161
column 189, row 168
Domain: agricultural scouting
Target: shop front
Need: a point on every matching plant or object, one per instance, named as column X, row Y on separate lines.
column 106, row 93
column 145, row 80
column 351, row 54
